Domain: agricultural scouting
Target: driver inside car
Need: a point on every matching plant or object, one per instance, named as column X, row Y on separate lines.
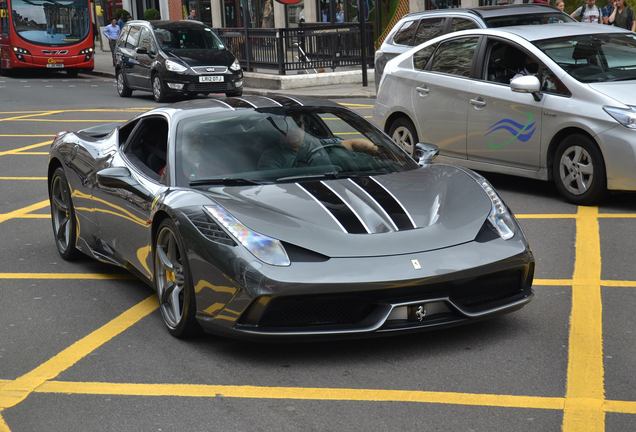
column 300, row 148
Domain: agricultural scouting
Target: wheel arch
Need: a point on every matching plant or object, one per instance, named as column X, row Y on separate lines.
column 54, row 164
column 560, row 136
column 396, row 115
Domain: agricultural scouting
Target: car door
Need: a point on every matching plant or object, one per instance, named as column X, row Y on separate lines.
column 441, row 93
column 145, row 56
column 124, row 212
column 504, row 127
column 129, row 57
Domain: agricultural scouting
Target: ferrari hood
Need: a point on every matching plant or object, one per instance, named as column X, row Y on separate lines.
column 406, row 212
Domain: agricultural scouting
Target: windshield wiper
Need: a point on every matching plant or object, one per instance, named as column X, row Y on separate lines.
column 225, row 181
column 332, row 175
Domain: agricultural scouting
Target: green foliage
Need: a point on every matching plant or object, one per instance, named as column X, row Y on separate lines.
column 152, row 14
column 122, row 13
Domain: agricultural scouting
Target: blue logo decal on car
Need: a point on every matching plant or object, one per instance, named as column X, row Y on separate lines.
column 518, row 131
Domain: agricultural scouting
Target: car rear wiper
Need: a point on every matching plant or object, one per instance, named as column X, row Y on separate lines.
column 225, row 181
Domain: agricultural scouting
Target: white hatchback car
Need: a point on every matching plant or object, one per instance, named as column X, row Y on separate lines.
column 552, row 102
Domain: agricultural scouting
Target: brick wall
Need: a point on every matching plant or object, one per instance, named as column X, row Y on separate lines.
column 174, row 8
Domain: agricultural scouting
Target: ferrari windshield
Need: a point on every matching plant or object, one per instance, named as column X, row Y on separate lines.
column 277, row 145
column 594, row 58
column 51, row 22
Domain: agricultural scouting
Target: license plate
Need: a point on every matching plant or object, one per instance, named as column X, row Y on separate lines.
column 55, row 65
column 215, row 78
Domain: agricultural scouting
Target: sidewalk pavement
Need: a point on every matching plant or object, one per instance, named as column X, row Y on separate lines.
column 104, row 67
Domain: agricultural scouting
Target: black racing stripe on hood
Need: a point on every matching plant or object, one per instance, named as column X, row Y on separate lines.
column 387, row 201
column 336, row 206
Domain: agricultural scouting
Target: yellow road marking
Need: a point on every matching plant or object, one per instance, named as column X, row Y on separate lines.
column 27, row 135
column 34, row 216
column 29, row 147
column 545, row 216
column 355, row 105
column 301, row 393
column 66, row 120
column 26, row 153
column 16, row 391
column 26, row 116
column 22, row 178
column 68, row 276
column 24, row 210
column 4, row 427
column 585, row 388
column 619, row 283
column 100, row 110
column 623, row 407
column 617, row 215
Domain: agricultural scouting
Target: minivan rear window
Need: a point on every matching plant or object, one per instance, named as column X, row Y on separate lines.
column 404, row 35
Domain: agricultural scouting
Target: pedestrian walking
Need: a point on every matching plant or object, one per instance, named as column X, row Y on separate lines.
column 111, row 32
column 622, row 16
column 192, row 15
column 588, row 13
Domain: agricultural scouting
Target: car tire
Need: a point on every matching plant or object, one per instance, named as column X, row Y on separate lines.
column 173, row 282
column 404, row 134
column 159, row 92
column 234, row 93
column 63, row 216
column 578, row 170
column 122, row 86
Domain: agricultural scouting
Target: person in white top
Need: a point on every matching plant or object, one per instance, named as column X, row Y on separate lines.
column 588, row 13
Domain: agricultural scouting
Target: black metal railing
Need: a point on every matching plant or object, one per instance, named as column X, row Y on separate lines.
column 308, row 47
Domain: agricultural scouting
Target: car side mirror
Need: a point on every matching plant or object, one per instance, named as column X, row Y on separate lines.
column 425, row 153
column 527, row 84
column 120, row 178
column 142, row 50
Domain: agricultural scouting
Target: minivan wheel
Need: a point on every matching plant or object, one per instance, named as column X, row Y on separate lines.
column 403, row 133
column 122, row 88
column 158, row 89
column 578, row 170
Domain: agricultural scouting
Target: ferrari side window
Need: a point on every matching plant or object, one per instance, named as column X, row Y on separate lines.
column 126, row 130
column 148, row 147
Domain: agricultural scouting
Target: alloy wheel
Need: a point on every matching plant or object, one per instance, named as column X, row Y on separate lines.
column 169, row 277
column 156, row 88
column 403, row 137
column 576, row 170
column 61, row 213
column 120, row 83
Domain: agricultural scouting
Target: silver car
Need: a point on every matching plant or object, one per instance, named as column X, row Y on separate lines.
column 554, row 102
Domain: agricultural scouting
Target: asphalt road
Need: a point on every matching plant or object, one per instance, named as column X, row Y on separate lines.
column 82, row 346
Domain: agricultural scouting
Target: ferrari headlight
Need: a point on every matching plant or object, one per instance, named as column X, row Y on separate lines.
column 236, row 66
column 499, row 216
column 175, row 67
column 266, row 249
column 626, row 117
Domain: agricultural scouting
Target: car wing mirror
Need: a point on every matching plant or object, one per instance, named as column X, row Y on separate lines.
column 120, row 178
column 425, row 153
column 527, row 84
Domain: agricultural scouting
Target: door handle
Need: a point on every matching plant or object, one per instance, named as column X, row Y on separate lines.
column 478, row 102
column 422, row 91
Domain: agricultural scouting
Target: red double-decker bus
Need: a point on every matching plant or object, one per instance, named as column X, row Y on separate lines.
column 46, row 34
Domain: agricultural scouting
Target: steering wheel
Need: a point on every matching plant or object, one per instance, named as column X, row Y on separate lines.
column 311, row 153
